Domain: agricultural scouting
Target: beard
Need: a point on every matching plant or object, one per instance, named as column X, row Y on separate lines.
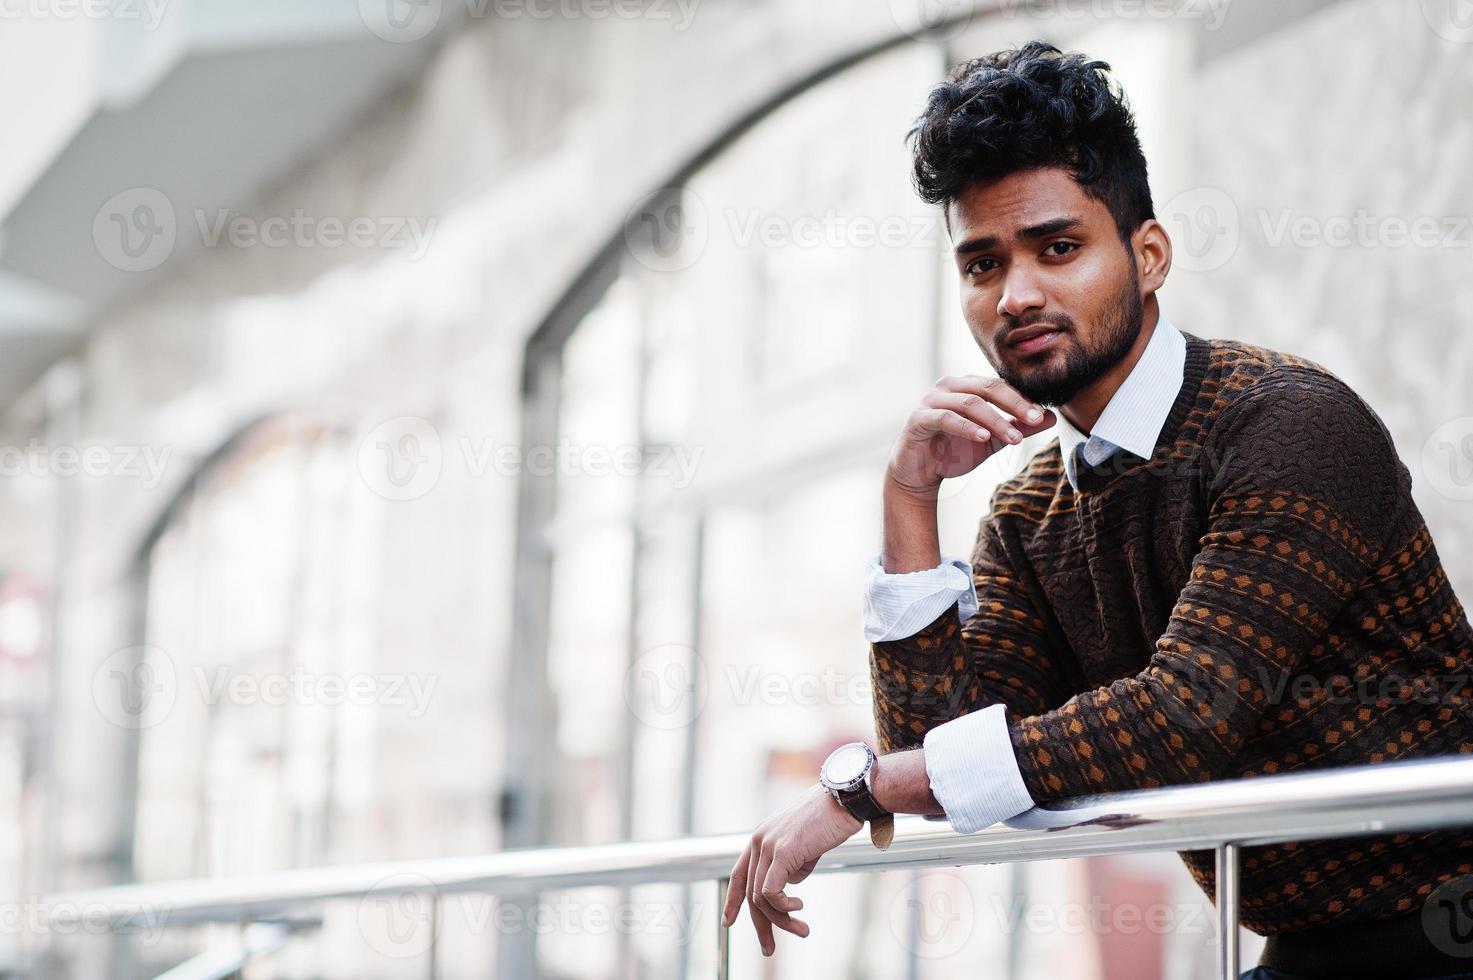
column 1057, row 383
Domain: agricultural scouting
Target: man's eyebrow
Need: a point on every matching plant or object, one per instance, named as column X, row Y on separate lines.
column 1041, row 230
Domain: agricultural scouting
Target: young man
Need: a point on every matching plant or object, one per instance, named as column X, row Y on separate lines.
column 1214, row 574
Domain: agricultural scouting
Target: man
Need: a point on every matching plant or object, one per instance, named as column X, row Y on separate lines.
column 1212, row 576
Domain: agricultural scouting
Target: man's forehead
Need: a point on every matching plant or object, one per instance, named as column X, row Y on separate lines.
column 1004, row 207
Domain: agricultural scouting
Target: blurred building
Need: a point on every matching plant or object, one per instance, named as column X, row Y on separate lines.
column 435, row 428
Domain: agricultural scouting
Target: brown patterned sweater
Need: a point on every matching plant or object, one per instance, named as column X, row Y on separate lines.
column 1260, row 596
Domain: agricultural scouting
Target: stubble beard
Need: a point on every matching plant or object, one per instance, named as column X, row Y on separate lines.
column 1056, row 384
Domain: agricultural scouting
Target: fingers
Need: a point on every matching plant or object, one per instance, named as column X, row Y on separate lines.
column 772, row 892
column 949, row 422
column 760, row 902
column 760, row 922
column 996, row 391
column 736, row 888
column 974, row 408
column 1029, row 428
column 759, row 877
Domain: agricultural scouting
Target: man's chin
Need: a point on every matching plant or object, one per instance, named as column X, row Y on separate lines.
column 1051, row 394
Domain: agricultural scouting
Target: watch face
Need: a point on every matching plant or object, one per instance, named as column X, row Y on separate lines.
column 846, row 765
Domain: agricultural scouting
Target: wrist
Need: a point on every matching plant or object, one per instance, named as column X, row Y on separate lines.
column 841, row 813
column 909, row 494
column 911, row 542
column 901, row 784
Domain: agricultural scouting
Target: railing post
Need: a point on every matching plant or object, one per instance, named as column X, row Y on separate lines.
column 1227, row 910
column 434, row 950
column 723, row 934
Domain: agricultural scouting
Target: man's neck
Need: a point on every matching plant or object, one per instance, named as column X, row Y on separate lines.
column 1084, row 409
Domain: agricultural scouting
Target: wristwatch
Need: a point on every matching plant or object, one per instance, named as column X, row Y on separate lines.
column 846, row 775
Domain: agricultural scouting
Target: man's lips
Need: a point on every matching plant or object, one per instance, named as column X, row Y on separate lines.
column 1032, row 338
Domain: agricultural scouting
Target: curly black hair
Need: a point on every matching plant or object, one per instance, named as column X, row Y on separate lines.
column 1031, row 107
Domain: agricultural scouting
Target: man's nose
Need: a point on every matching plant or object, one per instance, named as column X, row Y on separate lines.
column 1020, row 293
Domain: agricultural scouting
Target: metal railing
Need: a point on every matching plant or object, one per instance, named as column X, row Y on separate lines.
column 1221, row 816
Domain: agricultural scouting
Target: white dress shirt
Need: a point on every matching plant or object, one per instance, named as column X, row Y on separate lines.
column 973, row 772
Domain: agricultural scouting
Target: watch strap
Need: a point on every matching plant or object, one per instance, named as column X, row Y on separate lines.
column 862, row 806
column 882, row 830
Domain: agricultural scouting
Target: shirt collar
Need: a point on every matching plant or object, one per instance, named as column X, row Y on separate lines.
column 1133, row 417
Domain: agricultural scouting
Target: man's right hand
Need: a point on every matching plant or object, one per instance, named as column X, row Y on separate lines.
column 960, row 422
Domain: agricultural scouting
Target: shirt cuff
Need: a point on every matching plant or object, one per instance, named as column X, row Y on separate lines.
column 901, row 604
column 973, row 770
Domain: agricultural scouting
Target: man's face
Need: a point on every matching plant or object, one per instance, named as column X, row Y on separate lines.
column 1035, row 253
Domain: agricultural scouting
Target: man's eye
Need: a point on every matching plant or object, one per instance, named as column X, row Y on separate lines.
column 1054, row 249
column 980, row 266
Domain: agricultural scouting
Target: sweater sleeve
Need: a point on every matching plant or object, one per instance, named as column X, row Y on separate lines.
column 1305, row 492
column 1000, row 655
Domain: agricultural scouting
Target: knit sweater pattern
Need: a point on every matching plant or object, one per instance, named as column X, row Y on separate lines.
column 1260, row 596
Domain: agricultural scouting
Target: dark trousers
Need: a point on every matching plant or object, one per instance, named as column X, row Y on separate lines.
column 1264, row 973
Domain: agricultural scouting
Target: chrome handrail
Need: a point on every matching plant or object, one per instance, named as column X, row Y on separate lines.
column 1224, row 816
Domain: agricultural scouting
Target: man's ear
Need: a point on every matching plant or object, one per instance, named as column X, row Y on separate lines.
column 1151, row 246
